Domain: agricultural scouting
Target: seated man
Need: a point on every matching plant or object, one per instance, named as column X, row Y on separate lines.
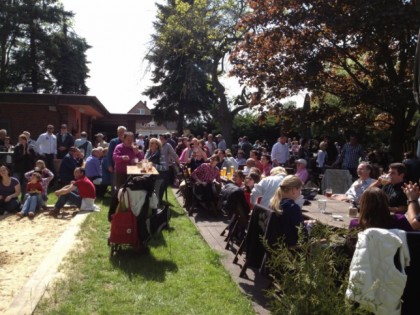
column 207, row 180
column 394, row 188
column 268, row 186
column 353, row 194
column 80, row 193
column 70, row 161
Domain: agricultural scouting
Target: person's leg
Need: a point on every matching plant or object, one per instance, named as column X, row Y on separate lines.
column 2, row 206
column 62, row 200
column 74, row 199
column 25, row 207
column 33, row 203
column 12, row 206
column 165, row 176
column 120, row 180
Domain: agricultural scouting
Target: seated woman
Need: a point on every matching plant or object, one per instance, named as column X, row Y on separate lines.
column 46, row 177
column 250, row 180
column 9, row 192
column 195, row 156
column 284, row 201
column 207, row 180
column 374, row 212
column 267, row 164
column 153, row 154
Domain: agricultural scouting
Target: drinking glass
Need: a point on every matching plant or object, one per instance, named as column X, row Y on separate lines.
column 385, row 179
column 328, row 192
column 322, row 205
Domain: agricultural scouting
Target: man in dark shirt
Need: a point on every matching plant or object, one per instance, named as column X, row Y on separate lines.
column 393, row 187
column 64, row 141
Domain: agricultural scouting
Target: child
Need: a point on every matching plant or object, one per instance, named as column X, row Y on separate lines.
column 46, row 176
column 33, row 192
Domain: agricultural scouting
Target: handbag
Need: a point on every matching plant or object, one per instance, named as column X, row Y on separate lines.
column 124, row 225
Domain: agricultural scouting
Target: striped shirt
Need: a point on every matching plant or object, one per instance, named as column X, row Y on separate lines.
column 350, row 155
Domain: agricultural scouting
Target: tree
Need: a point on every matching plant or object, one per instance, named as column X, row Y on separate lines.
column 32, row 52
column 191, row 43
column 182, row 87
column 360, row 52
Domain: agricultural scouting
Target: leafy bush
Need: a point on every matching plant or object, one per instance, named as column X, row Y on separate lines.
column 312, row 278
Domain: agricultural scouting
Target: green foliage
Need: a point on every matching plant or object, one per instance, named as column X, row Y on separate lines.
column 191, row 41
column 310, row 279
column 362, row 52
column 36, row 48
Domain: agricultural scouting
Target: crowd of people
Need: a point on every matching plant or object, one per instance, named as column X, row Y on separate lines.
column 258, row 168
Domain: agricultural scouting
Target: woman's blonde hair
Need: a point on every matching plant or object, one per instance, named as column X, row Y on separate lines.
column 288, row 183
column 157, row 142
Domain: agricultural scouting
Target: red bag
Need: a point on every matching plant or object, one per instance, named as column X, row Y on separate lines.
column 124, row 225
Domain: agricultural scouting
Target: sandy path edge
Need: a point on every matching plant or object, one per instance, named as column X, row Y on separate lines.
column 26, row 300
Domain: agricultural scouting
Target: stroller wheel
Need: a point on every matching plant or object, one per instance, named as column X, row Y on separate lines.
column 114, row 250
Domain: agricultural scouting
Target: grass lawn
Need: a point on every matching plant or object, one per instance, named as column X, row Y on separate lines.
column 181, row 275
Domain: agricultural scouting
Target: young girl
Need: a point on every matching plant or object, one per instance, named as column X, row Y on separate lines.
column 33, row 192
column 284, row 201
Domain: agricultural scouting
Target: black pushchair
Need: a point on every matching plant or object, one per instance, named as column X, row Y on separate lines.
column 134, row 215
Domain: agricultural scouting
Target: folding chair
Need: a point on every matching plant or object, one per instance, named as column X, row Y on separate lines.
column 267, row 225
column 234, row 203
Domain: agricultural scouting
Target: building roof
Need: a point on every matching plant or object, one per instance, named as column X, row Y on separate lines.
column 88, row 105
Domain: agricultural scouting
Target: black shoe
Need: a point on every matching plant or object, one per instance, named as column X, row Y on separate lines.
column 54, row 213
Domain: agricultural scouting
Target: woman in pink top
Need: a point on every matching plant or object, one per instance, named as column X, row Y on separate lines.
column 125, row 153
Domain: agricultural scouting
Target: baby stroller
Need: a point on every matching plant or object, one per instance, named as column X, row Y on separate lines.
column 134, row 215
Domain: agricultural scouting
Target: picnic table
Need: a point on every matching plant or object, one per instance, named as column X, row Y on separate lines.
column 336, row 214
column 135, row 170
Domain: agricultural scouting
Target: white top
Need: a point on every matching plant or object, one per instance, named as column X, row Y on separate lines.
column 266, row 189
column 46, row 144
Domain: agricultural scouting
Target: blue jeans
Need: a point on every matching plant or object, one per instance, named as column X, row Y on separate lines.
column 31, row 203
column 71, row 198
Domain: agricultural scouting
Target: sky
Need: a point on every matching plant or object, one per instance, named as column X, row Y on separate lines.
column 120, row 34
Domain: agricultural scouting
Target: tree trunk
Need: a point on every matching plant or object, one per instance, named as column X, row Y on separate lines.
column 398, row 137
column 33, row 61
column 180, row 120
column 224, row 114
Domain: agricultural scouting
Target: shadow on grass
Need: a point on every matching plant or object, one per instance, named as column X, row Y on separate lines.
column 146, row 265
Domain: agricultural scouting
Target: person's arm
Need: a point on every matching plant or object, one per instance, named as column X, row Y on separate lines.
column 28, row 175
column 65, row 190
column 257, row 191
column 117, row 155
column 15, row 194
column 413, row 211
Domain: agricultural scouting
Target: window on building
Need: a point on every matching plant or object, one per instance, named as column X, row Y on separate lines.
column 142, row 111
